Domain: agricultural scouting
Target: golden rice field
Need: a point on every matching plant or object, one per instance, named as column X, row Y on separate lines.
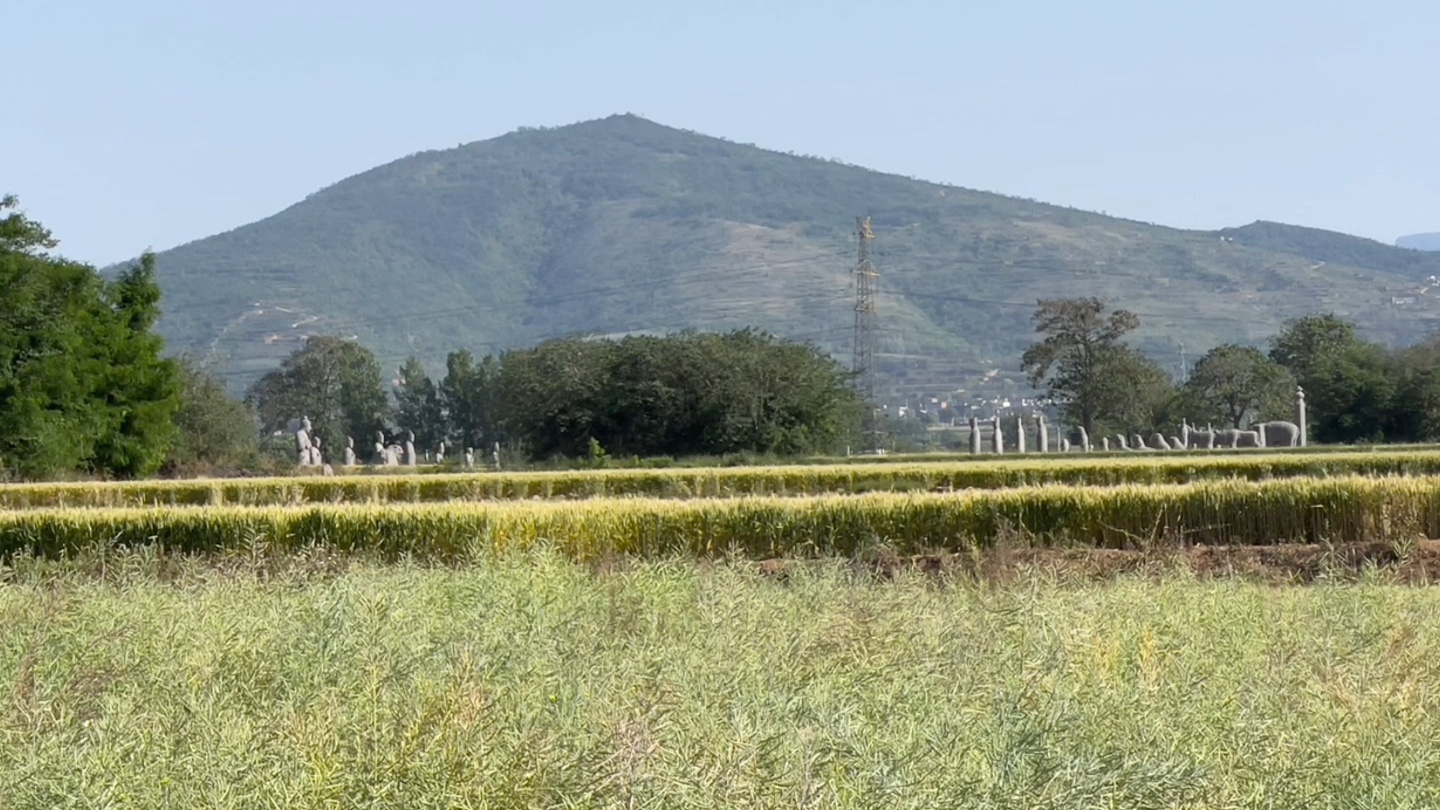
column 713, row 482
column 1312, row 510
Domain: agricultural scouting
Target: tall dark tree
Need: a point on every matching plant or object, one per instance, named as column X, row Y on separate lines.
column 469, row 395
column 336, row 383
column 1080, row 359
column 1237, row 385
column 418, row 407
column 83, row 386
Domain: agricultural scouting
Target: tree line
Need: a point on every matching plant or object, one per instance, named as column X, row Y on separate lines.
column 1356, row 391
column 677, row 395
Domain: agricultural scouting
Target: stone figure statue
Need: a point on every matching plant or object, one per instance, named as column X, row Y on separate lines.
column 999, row 436
column 315, row 458
column 1064, row 445
column 1084, row 439
column 409, row 448
column 328, row 470
column 1020, row 435
column 349, row 451
column 469, row 457
column 495, row 454
column 302, row 444
column 1279, row 434
column 1300, row 414
column 440, row 454
column 1105, row 444
column 1121, row 442
column 974, row 436
column 1042, row 434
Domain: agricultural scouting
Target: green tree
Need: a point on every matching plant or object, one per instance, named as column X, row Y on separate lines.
column 1237, row 385
column 216, row 433
column 1349, row 383
column 419, row 407
column 336, row 383
column 83, row 386
column 469, row 395
column 1081, row 362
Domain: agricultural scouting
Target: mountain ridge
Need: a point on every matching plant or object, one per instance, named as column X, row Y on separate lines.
column 619, row 225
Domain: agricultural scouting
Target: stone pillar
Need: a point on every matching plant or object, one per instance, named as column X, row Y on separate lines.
column 999, row 437
column 1300, row 413
column 974, row 436
column 1042, row 434
column 1020, row 435
column 1084, row 439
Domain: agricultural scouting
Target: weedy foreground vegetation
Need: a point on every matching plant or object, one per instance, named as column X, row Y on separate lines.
column 529, row 680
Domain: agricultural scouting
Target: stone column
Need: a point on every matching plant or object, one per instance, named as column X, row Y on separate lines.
column 999, row 440
column 1042, row 434
column 974, row 436
column 1300, row 413
column 1020, row 435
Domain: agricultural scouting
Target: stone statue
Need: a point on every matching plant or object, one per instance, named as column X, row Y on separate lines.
column 1279, row 434
column 410, row 448
column 440, row 454
column 1105, row 443
column 1138, row 442
column 1084, row 440
column 349, row 451
column 469, row 457
column 1020, row 435
column 328, row 470
column 315, row 458
column 999, row 436
column 1121, row 442
column 974, row 436
column 1176, row 443
column 1200, row 439
column 1042, row 434
column 496, row 455
column 1300, row 413
column 302, row 444
column 1157, row 441
column 1064, row 445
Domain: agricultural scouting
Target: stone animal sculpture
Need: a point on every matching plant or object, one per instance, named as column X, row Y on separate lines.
column 1158, row 442
column 1105, row 443
column 1121, row 442
column 1139, row 442
column 1084, row 440
column 1201, row 439
column 1279, row 434
column 1177, row 443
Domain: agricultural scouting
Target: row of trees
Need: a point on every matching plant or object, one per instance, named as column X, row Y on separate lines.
column 1356, row 390
column 685, row 394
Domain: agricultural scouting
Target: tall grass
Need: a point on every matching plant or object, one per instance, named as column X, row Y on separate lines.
column 1304, row 510
column 527, row 681
column 718, row 482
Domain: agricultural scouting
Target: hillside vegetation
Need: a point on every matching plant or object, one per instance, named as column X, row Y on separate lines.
column 624, row 225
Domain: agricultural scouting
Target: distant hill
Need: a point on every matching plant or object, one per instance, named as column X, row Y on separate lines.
column 623, row 225
column 1420, row 241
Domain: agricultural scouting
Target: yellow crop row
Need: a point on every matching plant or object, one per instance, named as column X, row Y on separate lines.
column 712, row 482
column 1311, row 510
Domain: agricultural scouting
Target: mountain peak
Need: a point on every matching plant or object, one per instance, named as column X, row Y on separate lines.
column 621, row 224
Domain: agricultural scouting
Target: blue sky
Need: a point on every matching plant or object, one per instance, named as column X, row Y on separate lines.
column 154, row 122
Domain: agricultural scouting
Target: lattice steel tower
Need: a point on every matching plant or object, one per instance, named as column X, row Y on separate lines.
column 863, row 364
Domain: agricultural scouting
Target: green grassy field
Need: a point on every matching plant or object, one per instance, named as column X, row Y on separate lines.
column 526, row 680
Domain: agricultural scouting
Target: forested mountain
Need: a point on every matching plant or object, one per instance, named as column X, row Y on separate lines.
column 623, row 225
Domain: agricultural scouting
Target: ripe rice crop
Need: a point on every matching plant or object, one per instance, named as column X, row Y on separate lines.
column 711, row 482
column 1228, row 512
